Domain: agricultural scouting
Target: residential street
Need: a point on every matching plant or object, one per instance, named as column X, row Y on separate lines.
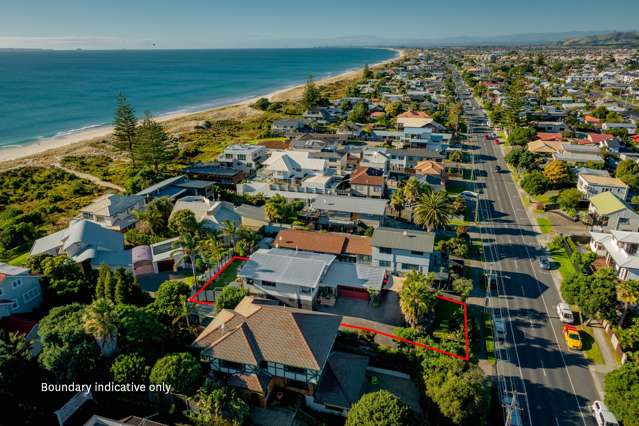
column 553, row 385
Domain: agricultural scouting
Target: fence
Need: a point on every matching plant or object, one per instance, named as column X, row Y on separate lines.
column 615, row 342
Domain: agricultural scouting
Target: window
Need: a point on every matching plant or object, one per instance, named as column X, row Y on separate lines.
column 241, row 157
column 14, row 305
column 30, row 295
column 294, row 370
column 231, row 365
column 409, row 267
column 417, row 253
column 623, row 220
column 305, row 290
column 384, row 263
column 268, row 284
column 385, row 250
column 16, row 283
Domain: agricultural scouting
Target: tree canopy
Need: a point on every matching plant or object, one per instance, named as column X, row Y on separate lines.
column 180, row 370
column 380, row 408
column 622, row 393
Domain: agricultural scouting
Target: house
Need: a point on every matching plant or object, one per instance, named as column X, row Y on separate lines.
column 317, row 142
column 550, row 126
column 162, row 256
column 349, row 212
column 608, row 212
column 97, row 420
column 259, row 346
column 619, row 250
column 578, row 154
column 347, row 247
column 598, row 138
column 376, row 158
column 88, row 244
column 288, row 126
column 19, row 290
column 432, row 173
column 416, row 119
column 545, row 147
column 210, row 214
column 113, row 211
column 291, row 167
column 405, row 160
column 178, row 186
column 298, row 278
column 367, row 182
column 215, row 173
column 630, row 127
column 335, row 160
column 592, row 185
column 243, row 156
column 543, row 136
column 402, row 250
column 252, row 217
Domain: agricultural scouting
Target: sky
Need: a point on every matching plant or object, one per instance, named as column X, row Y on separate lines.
column 108, row 24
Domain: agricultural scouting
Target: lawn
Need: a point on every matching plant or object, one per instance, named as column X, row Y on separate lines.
column 488, row 336
column 590, row 347
column 229, row 275
column 447, row 319
column 20, row 260
column 544, row 225
column 546, row 197
column 566, row 267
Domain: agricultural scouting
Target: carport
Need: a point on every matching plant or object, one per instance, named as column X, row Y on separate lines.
column 354, row 280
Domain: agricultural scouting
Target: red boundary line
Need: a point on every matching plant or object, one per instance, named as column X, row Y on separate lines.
column 466, row 357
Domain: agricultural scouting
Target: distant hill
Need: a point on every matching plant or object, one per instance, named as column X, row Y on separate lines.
column 630, row 38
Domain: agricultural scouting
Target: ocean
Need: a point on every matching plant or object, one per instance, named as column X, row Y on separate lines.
column 49, row 93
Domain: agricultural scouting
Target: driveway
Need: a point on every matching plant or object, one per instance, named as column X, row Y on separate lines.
column 387, row 317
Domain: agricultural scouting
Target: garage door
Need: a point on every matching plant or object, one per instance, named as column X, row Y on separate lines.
column 355, row 293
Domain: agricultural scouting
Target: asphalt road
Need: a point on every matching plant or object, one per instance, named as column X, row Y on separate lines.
column 552, row 384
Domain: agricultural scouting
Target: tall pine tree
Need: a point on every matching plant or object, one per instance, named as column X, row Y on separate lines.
column 103, row 285
column 124, row 127
column 122, row 285
column 154, row 147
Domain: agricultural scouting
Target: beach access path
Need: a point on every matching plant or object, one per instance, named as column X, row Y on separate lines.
column 96, row 180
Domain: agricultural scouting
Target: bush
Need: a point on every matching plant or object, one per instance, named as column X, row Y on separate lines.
column 380, row 408
column 534, row 183
column 180, row 370
column 569, row 199
column 130, row 368
column 521, row 135
column 229, row 297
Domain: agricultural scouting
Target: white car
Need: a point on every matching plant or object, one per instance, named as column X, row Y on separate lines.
column 500, row 329
column 468, row 194
column 565, row 313
column 602, row 415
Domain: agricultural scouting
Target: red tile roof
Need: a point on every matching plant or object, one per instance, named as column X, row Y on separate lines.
column 323, row 242
column 548, row 136
column 363, row 176
column 414, row 114
column 599, row 137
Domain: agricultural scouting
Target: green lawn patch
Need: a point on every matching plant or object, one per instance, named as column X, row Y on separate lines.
column 447, row 316
column 489, row 342
column 566, row 267
column 589, row 346
column 544, row 225
column 229, row 274
column 456, row 186
column 20, row 260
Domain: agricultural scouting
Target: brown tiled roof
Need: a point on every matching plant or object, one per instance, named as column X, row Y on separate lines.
column 361, row 176
column 429, row 167
column 549, row 136
column 323, row 242
column 413, row 114
column 288, row 336
column 253, row 382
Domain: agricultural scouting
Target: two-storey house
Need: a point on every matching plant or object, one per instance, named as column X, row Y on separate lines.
column 619, row 251
column 114, row 211
column 348, row 212
column 19, row 290
column 591, row 185
column 259, row 346
column 367, row 182
column 402, row 250
column 243, row 156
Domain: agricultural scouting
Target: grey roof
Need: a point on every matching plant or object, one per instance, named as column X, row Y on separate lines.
column 342, row 381
column 7, row 269
column 577, row 157
column 160, row 185
column 251, row 212
column 354, row 275
column 373, row 206
column 112, row 204
column 285, row 266
column 406, row 239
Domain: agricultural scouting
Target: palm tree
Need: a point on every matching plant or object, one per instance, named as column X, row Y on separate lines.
column 189, row 245
column 416, row 299
column 229, row 231
column 628, row 293
column 411, row 191
column 397, row 202
column 248, row 239
column 100, row 321
column 432, row 210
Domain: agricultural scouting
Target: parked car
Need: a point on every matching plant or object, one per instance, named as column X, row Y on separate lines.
column 544, row 263
column 572, row 337
column 602, row 415
column 500, row 329
column 468, row 194
column 497, row 142
column 498, row 168
column 565, row 313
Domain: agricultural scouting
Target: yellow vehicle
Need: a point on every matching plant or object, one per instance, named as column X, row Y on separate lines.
column 571, row 336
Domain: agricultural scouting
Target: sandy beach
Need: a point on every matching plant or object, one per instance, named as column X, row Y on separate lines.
column 48, row 150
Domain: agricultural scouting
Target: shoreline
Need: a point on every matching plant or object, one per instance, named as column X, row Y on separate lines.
column 83, row 137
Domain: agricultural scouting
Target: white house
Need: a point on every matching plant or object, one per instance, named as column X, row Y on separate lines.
column 294, row 166
column 402, row 250
column 19, row 290
column 243, row 156
column 619, row 248
column 592, row 185
column 114, row 211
